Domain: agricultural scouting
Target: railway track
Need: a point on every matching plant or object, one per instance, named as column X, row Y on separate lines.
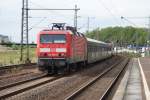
column 15, row 66
column 62, row 88
column 9, row 68
column 23, row 81
column 15, row 75
column 19, row 87
column 107, row 92
column 27, row 89
column 77, row 93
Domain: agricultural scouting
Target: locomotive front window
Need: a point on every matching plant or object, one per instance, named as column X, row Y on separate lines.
column 50, row 38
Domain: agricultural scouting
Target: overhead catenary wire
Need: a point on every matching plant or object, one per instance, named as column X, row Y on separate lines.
column 110, row 12
column 50, row 11
column 37, row 23
column 137, row 17
column 114, row 7
column 47, row 9
column 34, row 26
column 128, row 21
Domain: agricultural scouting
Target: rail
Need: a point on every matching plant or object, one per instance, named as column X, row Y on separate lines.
column 76, row 93
column 21, row 82
column 107, row 92
column 11, row 91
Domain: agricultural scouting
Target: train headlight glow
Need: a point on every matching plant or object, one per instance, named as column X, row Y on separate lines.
column 61, row 50
column 45, row 50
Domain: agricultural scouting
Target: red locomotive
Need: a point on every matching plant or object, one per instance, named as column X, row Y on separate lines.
column 63, row 48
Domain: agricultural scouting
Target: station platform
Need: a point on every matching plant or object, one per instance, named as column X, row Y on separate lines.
column 135, row 84
column 144, row 64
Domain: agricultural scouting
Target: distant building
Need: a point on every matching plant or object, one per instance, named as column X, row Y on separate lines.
column 4, row 39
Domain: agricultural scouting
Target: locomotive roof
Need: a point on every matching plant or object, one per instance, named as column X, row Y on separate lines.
column 49, row 31
column 56, row 31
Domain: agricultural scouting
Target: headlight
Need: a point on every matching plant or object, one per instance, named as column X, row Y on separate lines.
column 45, row 50
column 61, row 50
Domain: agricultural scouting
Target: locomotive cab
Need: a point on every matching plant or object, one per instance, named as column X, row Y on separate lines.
column 53, row 49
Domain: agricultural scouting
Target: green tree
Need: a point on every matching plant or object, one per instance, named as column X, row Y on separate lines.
column 128, row 35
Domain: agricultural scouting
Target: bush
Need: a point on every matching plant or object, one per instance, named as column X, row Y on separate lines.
column 15, row 47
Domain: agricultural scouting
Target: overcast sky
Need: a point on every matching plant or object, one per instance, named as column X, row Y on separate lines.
column 102, row 13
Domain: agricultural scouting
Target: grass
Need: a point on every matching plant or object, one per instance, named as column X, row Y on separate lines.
column 9, row 57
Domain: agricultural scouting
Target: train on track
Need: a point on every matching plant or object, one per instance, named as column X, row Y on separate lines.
column 62, row 48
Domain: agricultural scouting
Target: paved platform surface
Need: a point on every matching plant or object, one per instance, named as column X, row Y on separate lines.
column 131, row 85
column 134, row 85
column 145, row 73
column 145, row 63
